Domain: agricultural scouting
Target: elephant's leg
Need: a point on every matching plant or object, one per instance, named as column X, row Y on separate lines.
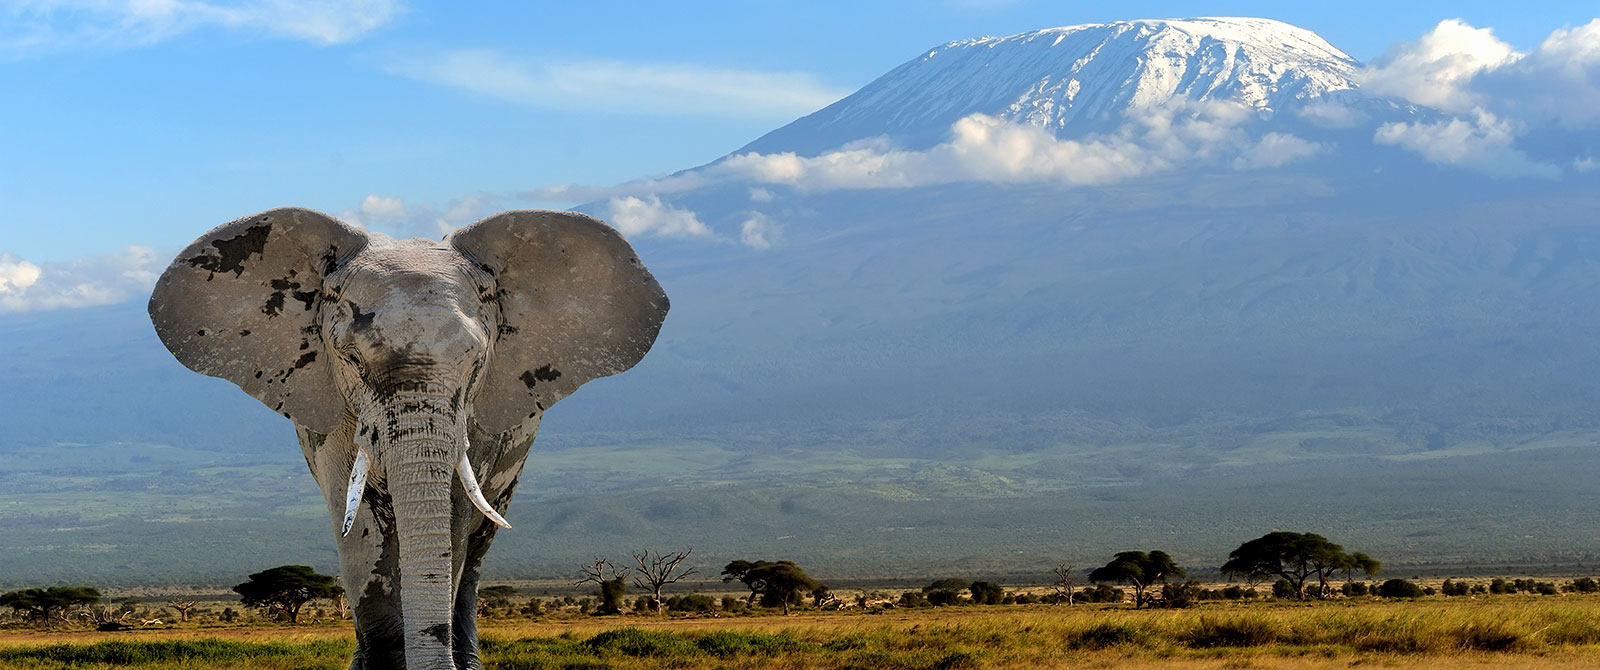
column 369, row 564
column 368, row 555
column 465, row 624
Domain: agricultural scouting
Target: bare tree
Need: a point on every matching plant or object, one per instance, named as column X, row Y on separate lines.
column 1066, row 583
column 612, row 587
column 658, row 570
column 181, row 605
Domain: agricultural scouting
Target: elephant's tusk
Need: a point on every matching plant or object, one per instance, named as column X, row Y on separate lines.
column 358, row 484
column 470, row 482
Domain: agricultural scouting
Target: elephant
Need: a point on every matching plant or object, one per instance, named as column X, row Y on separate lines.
column 408, row 366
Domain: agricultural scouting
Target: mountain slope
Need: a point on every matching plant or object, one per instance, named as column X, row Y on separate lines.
column 1077, row 79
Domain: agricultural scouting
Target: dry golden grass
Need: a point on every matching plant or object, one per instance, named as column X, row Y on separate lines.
column 1488, row 632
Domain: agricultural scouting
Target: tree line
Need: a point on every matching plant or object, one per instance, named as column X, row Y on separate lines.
column 1299, row 566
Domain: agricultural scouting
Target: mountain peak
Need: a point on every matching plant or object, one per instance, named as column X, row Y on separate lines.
column 1077, row 79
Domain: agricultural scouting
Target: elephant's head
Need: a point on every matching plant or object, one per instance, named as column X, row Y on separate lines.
column 404, row 348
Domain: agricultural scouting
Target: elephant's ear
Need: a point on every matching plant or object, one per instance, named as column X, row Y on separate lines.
column 241, row 303
column 575, row 304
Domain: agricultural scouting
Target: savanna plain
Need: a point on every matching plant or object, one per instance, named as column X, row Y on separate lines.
column 1474, row 631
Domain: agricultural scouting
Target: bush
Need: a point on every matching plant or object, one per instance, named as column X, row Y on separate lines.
column 1180, row 595
column 1239, row 632
column 637, row 643
column 1283, row 588
column 1399, row 588
column 693, row 602
column 987, row 593
column 1489, row 637
column 1103, row 593
column 1451, row 588
column 1583, row 585
column 1353, row 589
column 914, row 599
column 1106, row 634
column 1499, row 586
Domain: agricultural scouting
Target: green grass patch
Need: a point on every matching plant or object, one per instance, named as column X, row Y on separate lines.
column 137, row 653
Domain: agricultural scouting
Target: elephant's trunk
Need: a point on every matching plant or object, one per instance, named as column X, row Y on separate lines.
column 425, row 438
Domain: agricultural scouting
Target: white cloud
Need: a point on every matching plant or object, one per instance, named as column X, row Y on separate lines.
column 1437, row 69
column 1493, row 93
column 16, row 274
column 984, row 148
column 1559, row 80
column 758, row 231
column 759, row 194
column 1330, row 114
column 393, row 216
column 35, row 26
column 1275, row 149
column 636, row 216
column 1585, row 164
column 633, row 87
column 1484, row 143
column 83, row 282
column 575, row 193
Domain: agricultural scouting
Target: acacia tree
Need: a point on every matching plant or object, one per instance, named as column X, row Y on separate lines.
column 1295, row 557
column 287, row 588
column 777, row 583
column 48, row 605
column 182, row 605
column 1066, row 584
column 1138, row 569
column 657, row 570
column 613, row 585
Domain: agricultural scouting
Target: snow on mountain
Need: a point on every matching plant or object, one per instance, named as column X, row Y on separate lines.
column 1078, row 79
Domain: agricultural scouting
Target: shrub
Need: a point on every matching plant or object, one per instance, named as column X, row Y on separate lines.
column 1234, row 592
column 637, row 643
column 732, row 604
column 1239, row 632
column 987, row 593
column 1284, row 588
column 1106, row 634
column 1583, row 585
column 914, row 599
column 1103, row 593
column 1180, row 595
column 1451, row 588
column 1499, row 585
column 1399, row 588
column 693, row 602
column 1492, row 636
column 1353, row 589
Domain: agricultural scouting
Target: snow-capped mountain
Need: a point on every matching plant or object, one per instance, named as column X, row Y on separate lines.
column 1079, row 78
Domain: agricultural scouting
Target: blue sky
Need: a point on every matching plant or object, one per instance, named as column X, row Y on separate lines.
column 146, row 123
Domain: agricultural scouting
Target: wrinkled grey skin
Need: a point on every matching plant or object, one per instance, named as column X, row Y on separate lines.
column 411, row 350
